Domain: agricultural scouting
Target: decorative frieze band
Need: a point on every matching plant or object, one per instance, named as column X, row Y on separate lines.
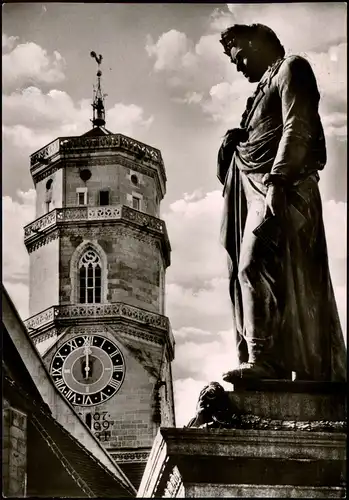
column 134, row 456
column 133, row 332
column 44, row 336
column 98, row 311
column 65, row 145
column 44, row 240
column 47, row 151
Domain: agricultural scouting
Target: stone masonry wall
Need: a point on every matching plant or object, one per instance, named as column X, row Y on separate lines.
column 14, row 452
column 117, row 180
column 56, row 193
column 43, row 276
column 133, row 264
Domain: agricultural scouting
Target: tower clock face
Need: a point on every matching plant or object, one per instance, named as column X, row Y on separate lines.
column 88, row 369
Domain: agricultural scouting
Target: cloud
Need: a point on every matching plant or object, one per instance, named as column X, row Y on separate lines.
column 335, row 221
column 8, row 42
column 341, row 296
column 194, row 225
column 186, row 395
column 330, row 68
column 29, row 64
column 19, row 293
column 205, row 358
column 187, row 66
column 32, row 118
column 335, row 124
column 125, row 117
column 206, row 305
column 171, row 51
column 17, row 214
column 227, row 101
column 190, row 98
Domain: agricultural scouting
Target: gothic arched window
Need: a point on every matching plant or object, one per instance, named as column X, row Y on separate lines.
column 90, row 278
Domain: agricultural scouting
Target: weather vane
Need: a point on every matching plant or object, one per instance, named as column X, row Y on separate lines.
column 98, row 97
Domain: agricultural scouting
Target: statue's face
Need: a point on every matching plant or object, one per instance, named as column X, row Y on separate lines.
column 249, row 62
column 208, row 398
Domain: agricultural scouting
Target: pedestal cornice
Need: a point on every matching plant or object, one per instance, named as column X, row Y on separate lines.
column 216, row 456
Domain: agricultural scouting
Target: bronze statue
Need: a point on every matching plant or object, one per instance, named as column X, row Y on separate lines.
column 284, row 309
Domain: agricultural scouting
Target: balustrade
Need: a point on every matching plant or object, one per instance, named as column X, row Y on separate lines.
column 97, row 311
column 93, row 213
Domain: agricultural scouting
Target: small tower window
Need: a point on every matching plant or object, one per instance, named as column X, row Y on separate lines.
column 90, row 278
column 134, row 179
column 104, row 198
column 81, row 196
column 48, row 194
column 136, row 202
column 85, row 174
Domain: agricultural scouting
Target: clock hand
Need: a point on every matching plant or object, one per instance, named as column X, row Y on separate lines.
column 87, row 368
column 87, row 351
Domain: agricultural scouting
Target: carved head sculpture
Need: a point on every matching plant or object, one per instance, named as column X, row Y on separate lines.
column 213, row 401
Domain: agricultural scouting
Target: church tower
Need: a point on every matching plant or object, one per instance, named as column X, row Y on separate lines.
column 98, row 257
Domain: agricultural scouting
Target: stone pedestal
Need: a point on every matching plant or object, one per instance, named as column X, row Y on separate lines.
column 266, row 462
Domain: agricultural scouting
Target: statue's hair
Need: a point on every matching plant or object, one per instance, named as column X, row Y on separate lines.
column 257, row 35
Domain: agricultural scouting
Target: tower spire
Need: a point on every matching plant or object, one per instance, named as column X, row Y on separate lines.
column 98, row 97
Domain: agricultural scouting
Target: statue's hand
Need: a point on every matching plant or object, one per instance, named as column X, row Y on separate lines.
column 274, row 201
column 234, row 136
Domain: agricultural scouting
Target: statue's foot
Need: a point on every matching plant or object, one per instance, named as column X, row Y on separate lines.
column 251, row 371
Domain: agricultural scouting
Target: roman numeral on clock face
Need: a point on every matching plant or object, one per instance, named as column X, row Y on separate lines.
column 114, row 354
column 71, row 396
column 103, row 396
column 60, row 385
column 87, row 340
column 72, row 344
column 114, row 383
column 60, row 356
column 56, row 371
column 86, row 400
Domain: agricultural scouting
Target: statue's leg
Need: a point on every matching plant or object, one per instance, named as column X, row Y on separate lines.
column 236, row 300
column 260, row 275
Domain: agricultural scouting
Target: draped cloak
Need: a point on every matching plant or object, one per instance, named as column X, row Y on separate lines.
column 286, row 140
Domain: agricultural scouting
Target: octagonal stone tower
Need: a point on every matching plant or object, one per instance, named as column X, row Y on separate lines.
column 98, row 256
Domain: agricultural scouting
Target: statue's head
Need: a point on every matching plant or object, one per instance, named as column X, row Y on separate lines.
column 252, row 48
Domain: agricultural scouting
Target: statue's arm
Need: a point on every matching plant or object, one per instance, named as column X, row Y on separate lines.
column 299, row 105
column 226, row 152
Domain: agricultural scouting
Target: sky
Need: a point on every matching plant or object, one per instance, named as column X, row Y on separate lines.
column 168, row 84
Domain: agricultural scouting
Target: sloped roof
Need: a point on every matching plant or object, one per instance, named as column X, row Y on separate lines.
column 97, row 131
column 28, row 379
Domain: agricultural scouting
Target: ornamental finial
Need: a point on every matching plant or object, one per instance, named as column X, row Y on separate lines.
column 98, row 97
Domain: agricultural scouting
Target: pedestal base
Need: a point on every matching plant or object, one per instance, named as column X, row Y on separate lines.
column 256, row 463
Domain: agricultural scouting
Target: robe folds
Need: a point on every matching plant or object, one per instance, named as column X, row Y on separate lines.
column 282, row 292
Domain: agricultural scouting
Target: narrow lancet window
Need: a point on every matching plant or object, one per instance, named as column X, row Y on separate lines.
column 90, row 278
